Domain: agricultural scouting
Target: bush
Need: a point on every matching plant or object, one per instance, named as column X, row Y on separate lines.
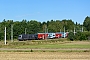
column 83, row 37
column 78, row 36
column 71, row 36
column 31, row 50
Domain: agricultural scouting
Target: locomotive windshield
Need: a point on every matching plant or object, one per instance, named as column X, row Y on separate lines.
column 19, row 36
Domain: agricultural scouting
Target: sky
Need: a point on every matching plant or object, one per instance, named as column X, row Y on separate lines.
column 44, row 10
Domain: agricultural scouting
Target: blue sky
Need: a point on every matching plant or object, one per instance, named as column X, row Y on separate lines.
column 44, row 10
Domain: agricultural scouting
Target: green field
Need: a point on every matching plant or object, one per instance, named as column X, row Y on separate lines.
column 46, row 44
column 55, row 45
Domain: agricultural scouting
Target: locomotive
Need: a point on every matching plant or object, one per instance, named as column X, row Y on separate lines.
column 27, row 37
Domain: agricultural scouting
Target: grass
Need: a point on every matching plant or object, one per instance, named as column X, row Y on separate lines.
column 47, row 44
column 56, row 46
column 31, row 53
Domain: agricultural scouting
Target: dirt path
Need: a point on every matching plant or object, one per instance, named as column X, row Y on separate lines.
column 44, row 56
column 43, row 49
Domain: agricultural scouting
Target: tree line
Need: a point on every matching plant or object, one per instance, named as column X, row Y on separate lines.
column 33, row 26
column 81, row 35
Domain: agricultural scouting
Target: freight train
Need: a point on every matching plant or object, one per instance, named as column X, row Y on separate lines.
column 40, row 36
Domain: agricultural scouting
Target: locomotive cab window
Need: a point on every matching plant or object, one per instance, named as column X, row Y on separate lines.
column 20, row 36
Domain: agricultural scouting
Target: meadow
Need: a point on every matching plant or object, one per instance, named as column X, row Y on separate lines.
column 56, row 45
column 56, row 49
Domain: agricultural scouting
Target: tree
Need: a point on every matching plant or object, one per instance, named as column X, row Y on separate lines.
column 33, row 27
column 68, row 24
column 17, row 29
column 71, row 36
column 52, row 26
column 82, row 37
column 86, row 23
